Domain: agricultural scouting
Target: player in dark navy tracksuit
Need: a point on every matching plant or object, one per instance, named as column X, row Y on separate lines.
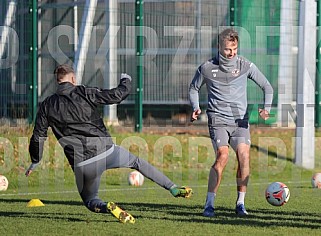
column 75, row 121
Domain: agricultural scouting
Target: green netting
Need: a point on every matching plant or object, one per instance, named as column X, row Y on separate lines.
column 260, row 21
column 171, row 53
column 15, row 65
column 173, row 47
column 179, row 36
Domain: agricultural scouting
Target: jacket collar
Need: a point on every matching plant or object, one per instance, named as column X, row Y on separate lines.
column 226, row 65
column 65, row 88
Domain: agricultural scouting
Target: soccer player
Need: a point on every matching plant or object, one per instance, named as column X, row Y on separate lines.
column 73, row 117
column 226, row 77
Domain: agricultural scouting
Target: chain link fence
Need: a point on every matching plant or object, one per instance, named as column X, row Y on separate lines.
column 178, row 36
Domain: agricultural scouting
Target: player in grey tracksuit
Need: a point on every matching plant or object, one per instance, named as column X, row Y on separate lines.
column 225, row 77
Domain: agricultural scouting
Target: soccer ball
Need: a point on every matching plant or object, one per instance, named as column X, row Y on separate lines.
column 135, row 178
column 277, row 194
column 4, row 183
column 316, row 180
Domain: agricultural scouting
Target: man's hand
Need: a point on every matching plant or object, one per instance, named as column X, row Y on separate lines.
column 124, row 76
column 195, row 114
column 28, row 172
column 264, row 114
column 31, row 168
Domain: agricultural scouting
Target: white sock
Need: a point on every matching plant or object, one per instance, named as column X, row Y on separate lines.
column 240, row 198
column 174, row 186
column 210, row 199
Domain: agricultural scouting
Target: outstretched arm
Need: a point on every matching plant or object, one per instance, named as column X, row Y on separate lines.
column 112, row 96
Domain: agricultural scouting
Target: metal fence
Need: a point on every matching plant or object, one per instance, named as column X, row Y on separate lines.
column 15, row 62
column 178, row 36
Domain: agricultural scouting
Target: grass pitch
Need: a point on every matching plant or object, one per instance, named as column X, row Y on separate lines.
column 158, row 213
column 184, row 158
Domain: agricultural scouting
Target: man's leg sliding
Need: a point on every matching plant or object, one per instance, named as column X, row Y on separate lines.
column 121, row 158
column 88, row 175
column 88, row 181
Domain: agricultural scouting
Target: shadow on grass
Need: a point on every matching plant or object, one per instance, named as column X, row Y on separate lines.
column 45, row 215
column 271, row 153
column 179, row 212
column 226, row 216
column 69, row 203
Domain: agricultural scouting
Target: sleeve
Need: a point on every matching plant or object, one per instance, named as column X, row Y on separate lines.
column 111, row 96
column 39, row 135
column 194, row 89
column 256, row 75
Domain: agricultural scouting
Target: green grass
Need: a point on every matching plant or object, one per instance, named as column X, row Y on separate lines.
column 184, row 158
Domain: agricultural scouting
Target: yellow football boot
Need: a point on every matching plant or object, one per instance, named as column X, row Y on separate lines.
column 183, row 191
column 120, row 214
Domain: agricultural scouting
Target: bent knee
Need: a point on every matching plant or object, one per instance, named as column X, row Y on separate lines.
column 243, row 155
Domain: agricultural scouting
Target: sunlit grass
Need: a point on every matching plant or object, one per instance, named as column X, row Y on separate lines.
column 186, row 159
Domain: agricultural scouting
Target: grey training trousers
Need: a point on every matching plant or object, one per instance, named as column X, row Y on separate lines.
column 88, row 174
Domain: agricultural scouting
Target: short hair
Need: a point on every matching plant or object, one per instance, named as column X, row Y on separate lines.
column 63, row 70
column 228, row 35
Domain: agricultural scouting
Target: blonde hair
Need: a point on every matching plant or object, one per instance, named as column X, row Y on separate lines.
column 228, row 35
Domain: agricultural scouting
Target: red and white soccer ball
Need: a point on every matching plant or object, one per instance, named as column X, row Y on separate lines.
column 4, row 183
column 316, row 180
column 277, row 194
column 135, row 178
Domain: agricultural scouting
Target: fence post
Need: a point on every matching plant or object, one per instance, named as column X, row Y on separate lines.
column 305, row 106
column 318, row 74
column 233, row 16
column 34, row 60
column 139, row 22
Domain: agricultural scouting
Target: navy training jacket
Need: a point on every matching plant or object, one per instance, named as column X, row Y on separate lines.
column 75, row 120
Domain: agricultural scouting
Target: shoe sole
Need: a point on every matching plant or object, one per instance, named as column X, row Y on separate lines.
column 241, row 214
column 120, row 214
column 209, row 215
